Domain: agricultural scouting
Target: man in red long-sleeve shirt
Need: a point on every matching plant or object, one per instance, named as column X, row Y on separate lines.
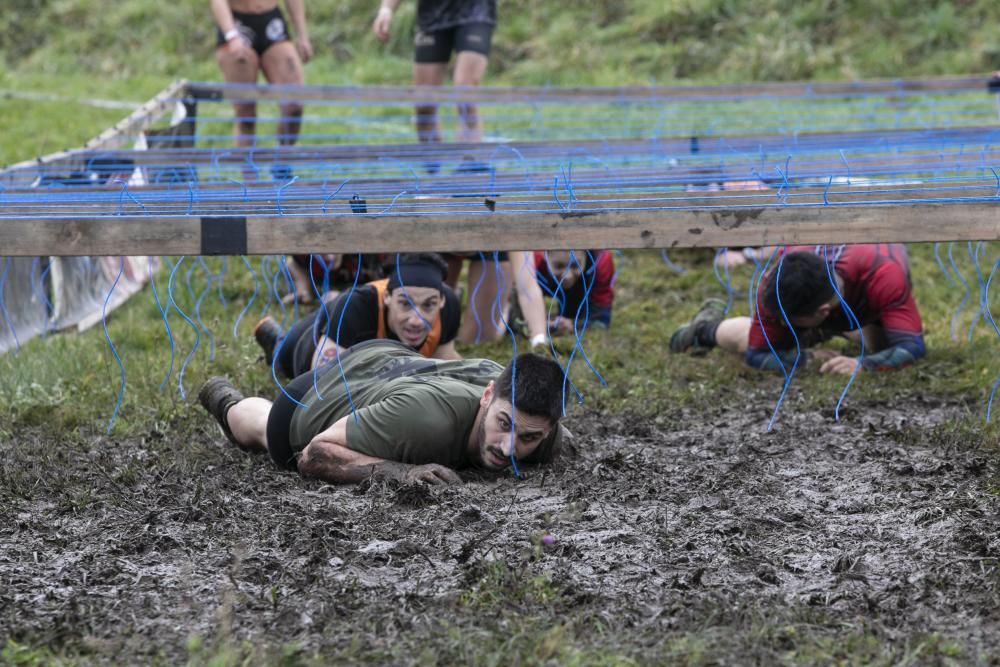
column 813, row 294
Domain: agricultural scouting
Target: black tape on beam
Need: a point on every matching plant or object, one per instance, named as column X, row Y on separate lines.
column 223, row 236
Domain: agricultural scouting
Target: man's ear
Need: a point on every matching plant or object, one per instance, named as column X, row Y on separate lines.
column 487, row 396
column 387, row 297
column 824, row 310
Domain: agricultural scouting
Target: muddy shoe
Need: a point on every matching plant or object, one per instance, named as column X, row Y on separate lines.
column 217, row 395
column 694, row 336
column 267, row 333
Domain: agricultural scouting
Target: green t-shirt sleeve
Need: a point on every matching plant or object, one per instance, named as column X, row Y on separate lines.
column 413, row 426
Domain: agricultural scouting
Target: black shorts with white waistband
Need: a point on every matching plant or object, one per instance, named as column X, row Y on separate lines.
column 437, row 46
column 261, row 31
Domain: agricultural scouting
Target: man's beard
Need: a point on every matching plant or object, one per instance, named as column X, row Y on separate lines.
column 484, row 449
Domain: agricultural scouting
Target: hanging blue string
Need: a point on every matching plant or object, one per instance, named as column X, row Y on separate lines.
column 114, row 351
column 676, row 268
column 290, row 282
column 166, row 324
column 552, row 347
column 513, row 367
column 197, row 331
column 798, row 349
column 760, row 321
column 965, row 295
column 253, row 297
column 585, row 305
column 979, row 314
column 219, row 277
column 852, row 321
column 726, row 281
column 265, row 277
column 340, row 321
column 48, row 304
column 473, row 302
column 197, row 309
column 496, row 311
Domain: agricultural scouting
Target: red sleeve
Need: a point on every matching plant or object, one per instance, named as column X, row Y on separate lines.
column 602, row 294
column 539, row 260
column 889, row 294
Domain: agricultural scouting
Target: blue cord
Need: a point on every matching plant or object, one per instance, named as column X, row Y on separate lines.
column 121, row 366
column 676, row 268
column 726, row 282
column 253, row 296
column 197, row 331
column 585, row 305
column 340, row 321
column 760, row 321
column 852, row 320
column 197, row 307
column 472, row 298
column 513, row 367
column 166, row 324
column 965, row 296
column 798, row 349
column 980, row 313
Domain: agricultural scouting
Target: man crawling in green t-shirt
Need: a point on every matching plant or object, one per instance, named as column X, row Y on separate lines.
column 386, row 411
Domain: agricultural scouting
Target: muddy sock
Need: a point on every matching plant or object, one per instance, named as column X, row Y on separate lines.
column 704, row 333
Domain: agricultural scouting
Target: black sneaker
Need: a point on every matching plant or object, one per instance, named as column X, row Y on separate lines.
column 217, row 395
column 267, row 333
column 685, row 338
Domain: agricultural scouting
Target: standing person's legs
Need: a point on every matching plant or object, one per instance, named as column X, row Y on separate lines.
column 282, row 65
column 470, row 67
column 241, row 67
column 482, row 322
column 428, row 74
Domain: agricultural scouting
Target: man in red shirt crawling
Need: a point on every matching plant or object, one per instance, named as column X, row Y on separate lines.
column 800, row 299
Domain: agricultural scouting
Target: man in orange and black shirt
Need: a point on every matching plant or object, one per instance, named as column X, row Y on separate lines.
column 412, row 306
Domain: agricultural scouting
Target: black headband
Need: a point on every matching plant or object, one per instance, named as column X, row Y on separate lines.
column 417, row 274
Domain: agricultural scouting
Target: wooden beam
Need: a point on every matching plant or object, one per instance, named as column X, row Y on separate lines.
column 496, row 95
column 594, row 228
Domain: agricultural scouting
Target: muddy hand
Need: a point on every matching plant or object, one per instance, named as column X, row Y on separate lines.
column 840, row 364
column 431, row 473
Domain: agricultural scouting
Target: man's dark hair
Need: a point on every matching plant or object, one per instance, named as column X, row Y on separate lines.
column 538, row 383
column 805, row 285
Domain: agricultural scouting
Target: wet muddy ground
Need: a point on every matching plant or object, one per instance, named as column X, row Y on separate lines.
column 695, row 536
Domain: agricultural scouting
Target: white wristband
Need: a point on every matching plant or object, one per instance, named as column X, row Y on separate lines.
column 231, row 34
column 538, row 339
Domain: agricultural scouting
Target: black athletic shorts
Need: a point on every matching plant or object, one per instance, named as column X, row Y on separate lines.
column 260, row 30
column 437, row 46
column 279, row 420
